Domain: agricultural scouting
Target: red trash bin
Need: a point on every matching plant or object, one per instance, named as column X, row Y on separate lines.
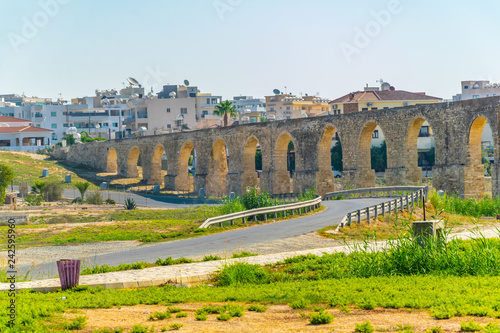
column 69, row 273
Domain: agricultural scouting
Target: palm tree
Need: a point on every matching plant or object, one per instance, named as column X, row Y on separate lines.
column 82, row 187
column 225, row 110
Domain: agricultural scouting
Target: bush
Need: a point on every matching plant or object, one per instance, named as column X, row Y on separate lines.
column 257, row 308
column 77, row 323
column 110, row 202
column 224, row 317
column 33, row 199
column 6, row 178
column 176, row 326
column 181, row 315
column 470, row 326
column 241, row 273
column 95, row 198
column 211, row 258
column 299, row 304
column 139, row 329
column 321, row 318
column 201, row 317
column 365, row 327
column 52, row 191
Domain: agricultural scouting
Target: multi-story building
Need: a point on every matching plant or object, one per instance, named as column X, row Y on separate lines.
column 477, row 89
column 374, row 98
column 250, row 110
column 287, row 106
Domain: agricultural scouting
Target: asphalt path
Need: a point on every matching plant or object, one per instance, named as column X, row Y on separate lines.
column 227, row 241
column 141, row 200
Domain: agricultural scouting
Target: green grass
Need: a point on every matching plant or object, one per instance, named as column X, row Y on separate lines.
column 468, row 207
column 465, row 296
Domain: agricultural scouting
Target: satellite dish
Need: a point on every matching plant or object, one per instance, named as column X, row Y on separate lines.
column 186, row 83
column 133, row 81
column 172, row 94
column 276, row 91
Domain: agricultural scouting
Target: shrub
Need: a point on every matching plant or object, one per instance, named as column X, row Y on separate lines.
column 172, row 309
column 52, row 191
column 201, row 317
column 169, row 261
column 77, row 323
column 95, row 198
column 435, row 329
column 241, row 273
column 181, row 315
column 470, row 326
column 243, row 254
column 110, row 201
column 211, row 258
column 6, row 178
column 139, row 329
column 365, row 327
column 321, row 318
column 224, row 317
column 299, row 304
column 130, row 204
column 257, row 308
column 160, row 316
column 176, row 326
column 234, row 310
column 33, row 199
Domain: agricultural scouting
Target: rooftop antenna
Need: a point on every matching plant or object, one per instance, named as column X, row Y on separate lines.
column 380, row 81
column 286, row 90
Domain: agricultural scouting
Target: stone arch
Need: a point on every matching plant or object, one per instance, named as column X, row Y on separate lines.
column 412, row 172
column 112, row 161
column 156, row 160
column 325, row 176
column 217, row 169
column 183, row 181
column 132, row 160
column 281, row 179
column 249, row 170
column 474, row 183
column 365, row 142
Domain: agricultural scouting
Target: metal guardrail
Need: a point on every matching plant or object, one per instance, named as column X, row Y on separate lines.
column 374, row 192
column 398, row 204
column 306, row 206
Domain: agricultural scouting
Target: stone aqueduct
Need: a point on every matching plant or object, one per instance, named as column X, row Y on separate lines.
column 457, row 129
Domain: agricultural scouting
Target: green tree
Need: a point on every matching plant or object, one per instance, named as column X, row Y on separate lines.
column 6, row 177
column 225, row 110
column 379, row 157
column 82, row 187
column 258, row 160
column 337, row 157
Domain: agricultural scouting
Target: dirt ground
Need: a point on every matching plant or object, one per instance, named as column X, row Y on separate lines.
column 278, row 318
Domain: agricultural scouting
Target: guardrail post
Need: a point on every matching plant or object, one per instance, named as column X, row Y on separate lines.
column 390, row 206
column 376, row 212
column 368, row 214
column 413, row 201
column 220, row 224
column 359, row 216
column 243, row 219
column 255, row 218
column 383, row 209
column 232, row 222
column 275, row 215
column 265, row 217
column 284, row 213
column 349, row 219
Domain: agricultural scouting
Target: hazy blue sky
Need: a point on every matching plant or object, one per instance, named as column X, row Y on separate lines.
column 233, row 47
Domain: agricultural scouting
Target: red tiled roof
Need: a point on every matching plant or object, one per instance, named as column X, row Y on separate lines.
column 386, row 95
column 7, row 119
column 23, row 129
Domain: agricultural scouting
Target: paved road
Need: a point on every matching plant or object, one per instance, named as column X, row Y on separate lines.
column 228, row 241
column 141, row 199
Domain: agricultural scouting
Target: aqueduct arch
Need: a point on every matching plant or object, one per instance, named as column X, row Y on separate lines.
column 112, row 161
column 183, row 181
column 133, row 159
column 474, row 171
column 281, row 177
column 249, row 177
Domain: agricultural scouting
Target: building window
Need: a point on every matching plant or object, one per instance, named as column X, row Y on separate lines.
column 208, row 100
column 204, row 113
column 272, row 99
column 168, row 110
column 115, row 124
column 374, row 109
column 184, row 110
column 214, row 100
column 53, row 114
column 375, row 134
column 466, row 87
column 364, row 109
column 37, row 125
column 475, row 96
column 53, row 125
column 169, row 126
column 288, row 108
column 105, row 125
column 65, row 125
column 272, row 109
column 424, row 132
column 386, row 108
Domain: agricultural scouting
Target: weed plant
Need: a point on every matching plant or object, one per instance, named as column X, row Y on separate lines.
column 470, row 326
column 467, row 207
column 321, row 318
column 365, row 327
